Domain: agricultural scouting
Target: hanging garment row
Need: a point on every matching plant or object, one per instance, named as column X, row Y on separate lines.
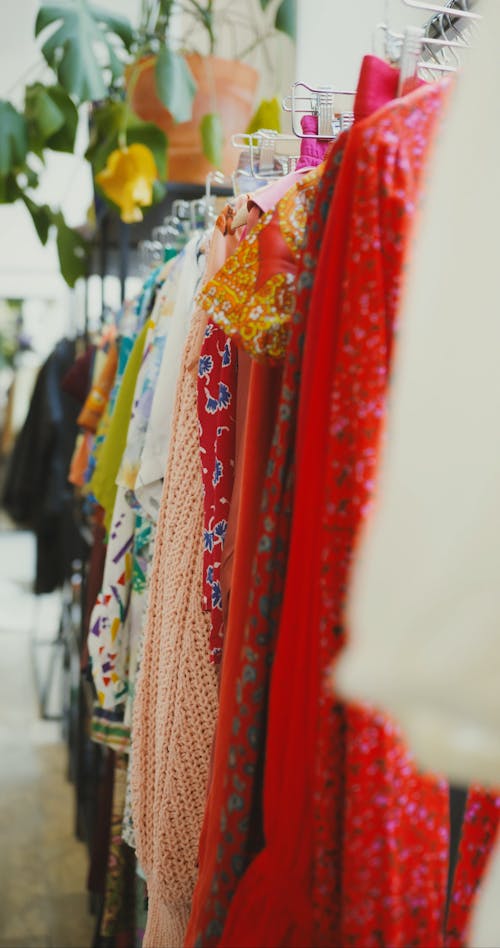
column 227, row 459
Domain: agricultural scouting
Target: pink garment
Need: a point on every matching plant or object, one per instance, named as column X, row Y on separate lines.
column 312, row 150
column 265, row 199
column 378, row 85
column 312, row 153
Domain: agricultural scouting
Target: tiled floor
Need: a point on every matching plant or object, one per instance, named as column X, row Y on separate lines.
column 43, row 867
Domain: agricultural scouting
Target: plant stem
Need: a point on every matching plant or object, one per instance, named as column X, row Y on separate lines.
column 137, row 69
column 165, row 8
column 259, row 39
column 205, row 16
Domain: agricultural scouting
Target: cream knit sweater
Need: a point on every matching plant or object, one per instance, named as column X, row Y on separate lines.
column 176, row 700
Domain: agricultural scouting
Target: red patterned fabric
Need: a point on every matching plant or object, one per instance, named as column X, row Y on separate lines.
column 356, row 840
column 217, row 374
column 232, row 832
column 479, row 833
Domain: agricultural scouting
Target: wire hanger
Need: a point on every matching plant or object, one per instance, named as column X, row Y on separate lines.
column 225, row 184
column 270, row 154
column 320, row 102
column 422, row 47
column 410, row 56
column 450, row 9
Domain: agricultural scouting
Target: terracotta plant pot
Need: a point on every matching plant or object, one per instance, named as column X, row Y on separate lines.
column 235, row 84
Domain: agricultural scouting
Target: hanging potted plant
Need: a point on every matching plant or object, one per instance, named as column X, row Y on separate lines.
column 174, row 79
column 163, row 105
column 197, row 98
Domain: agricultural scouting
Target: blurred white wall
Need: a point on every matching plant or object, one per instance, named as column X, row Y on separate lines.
column 334, row 35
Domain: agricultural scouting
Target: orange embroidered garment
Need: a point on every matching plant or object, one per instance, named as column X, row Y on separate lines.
column 252, row 296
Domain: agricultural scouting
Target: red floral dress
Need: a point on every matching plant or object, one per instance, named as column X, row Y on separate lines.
column 356, row 840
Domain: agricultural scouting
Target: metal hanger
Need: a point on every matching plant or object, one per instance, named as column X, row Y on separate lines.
column 270, row 154
column 439, row 48
column 321, row 102
column 410, row 56
column 450, row 9
column 222, row 181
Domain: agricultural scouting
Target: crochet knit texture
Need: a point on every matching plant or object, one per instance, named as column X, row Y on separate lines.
column 176, row 699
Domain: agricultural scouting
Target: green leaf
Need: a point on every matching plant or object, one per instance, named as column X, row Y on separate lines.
column 212, row 137
column 32, row 176
column 73, row 251
column 106, row 123
column 52, row 118
column 13, row 138
column 159, row 191
column 42, row 218
column 64, row 138
column 175, row 84
column 267, row 115
column 286, row 19
column 9, row 189
column 43, row 116
column 81, row 41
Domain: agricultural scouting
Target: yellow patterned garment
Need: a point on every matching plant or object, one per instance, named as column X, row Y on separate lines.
column 252, row 297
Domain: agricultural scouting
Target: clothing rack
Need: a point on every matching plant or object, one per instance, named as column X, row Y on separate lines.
column 455, row 8
column 433, row 49
column 185, row 218
column 270, row 154
column 451, row 29
column 323, row 102
column 114, row 247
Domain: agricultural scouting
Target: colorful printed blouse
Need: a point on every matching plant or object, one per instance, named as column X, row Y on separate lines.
column 131, row 321
column 127, row 554
column 116, row 621
column 148, row 375
column 187, row 273
column 107, row 639
column 98, row 397
column 252, row 297
column 254, row 285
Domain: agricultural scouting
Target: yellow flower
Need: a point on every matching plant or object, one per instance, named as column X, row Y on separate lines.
column 128, row 180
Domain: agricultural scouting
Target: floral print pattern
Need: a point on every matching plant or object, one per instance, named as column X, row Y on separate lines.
column 479, row 832
column 106, row 640
column 370, row 868
column 217, row 374
column 367, row 864
column 238, row 780
column 252, row 296
column 148, row 374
